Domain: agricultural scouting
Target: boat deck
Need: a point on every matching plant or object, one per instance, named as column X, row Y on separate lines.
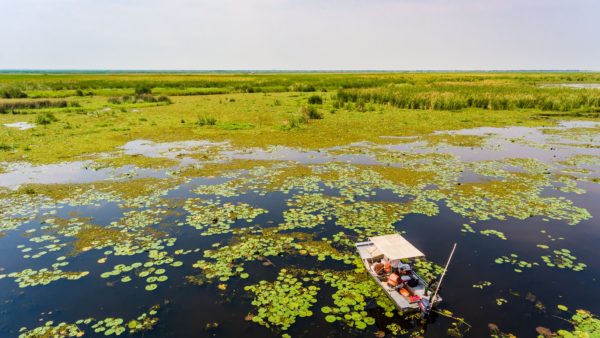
column 367, row 252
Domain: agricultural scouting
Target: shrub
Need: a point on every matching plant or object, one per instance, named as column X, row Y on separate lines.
column 13, row 93
column 295, row 122
column 33, row 104
column 45, row 118
column 301, row 87
column 206, row 121
column 144, row 98
column 310, row 113
column 114, row 100
column 143, row 89
column 164, row 98
column 79, row 92
column 139, row 98
column 315, row 99
column 6, row 147
column 29, row 191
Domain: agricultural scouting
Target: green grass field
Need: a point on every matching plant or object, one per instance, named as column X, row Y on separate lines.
column 77, row 114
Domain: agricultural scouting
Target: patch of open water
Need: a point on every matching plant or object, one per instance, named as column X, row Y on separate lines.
column 189, row 310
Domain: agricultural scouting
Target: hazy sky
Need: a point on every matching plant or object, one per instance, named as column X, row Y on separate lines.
column 300, row 34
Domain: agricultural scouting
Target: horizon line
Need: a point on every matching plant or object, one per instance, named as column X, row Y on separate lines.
column 123, row 70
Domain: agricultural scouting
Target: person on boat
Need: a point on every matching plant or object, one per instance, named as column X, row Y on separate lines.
column 404, row 269
column 388, row 265
column 379, row 268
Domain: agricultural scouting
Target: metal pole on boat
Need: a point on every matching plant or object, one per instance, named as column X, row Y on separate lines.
column 442, row 277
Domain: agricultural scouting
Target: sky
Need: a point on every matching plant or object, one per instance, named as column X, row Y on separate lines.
column 300, row 34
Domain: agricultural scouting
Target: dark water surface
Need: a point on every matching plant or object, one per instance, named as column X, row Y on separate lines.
column 187, row 309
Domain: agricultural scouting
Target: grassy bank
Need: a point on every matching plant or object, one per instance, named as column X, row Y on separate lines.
column 92, row 113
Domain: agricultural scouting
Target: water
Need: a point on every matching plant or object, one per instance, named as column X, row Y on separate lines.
column 189, row 310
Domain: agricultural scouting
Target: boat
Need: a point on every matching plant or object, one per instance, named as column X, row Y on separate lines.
column 387, row 260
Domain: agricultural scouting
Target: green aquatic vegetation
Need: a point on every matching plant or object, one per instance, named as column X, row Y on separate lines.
column 215, row 218
column 364, row 218
column 350, row 299
column 279, row 303
column 139, row 219
column 447, row 167
column 482, row 285
column 301, row 218
column 518, row 196
column 513, row 259
column 50, row 330
column 568, row 184
column 143, row 193
column 227, row 261
column 227, row 189
column 151, row 270
column 139, row 161
column 467, row 228
column 108, row 326
column 581, row 160
column 123, row 242
column 322, row 250
column 489, row 168
column 563, row 259
column 427, row 269
column 491, row 232
column 367, row 218
column 17, row 209
column 574, row 136
column 97, row 237
column 70, row 194
column 531, row 166
column 44, row 276
column 585, row 325
column 395, row 329
column 454, row 140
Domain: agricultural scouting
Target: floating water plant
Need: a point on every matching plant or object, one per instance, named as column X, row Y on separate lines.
column 281, row 302
column 44, row 276
column 513, row 259
column 108, row 326
column 491, row 232
column 216, row 218
column 482, row 285
column 563, row 259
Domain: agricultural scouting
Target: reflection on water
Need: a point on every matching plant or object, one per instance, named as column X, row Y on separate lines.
column 197, row 249
column 575, row 85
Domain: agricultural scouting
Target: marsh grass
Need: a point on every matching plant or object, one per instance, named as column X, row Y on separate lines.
column 143, row 89
column 315, row 99
column 37, row 104
column 13, row 93
column 45, row 118
column 6, row 147
column 310, row 112
column 365, row 113
column 206, row 121
column 138, row 98
column 477, row 96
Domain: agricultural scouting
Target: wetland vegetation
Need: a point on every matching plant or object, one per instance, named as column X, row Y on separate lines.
column 228, row 204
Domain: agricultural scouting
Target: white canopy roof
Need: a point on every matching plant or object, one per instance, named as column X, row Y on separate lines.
column 395, row 247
